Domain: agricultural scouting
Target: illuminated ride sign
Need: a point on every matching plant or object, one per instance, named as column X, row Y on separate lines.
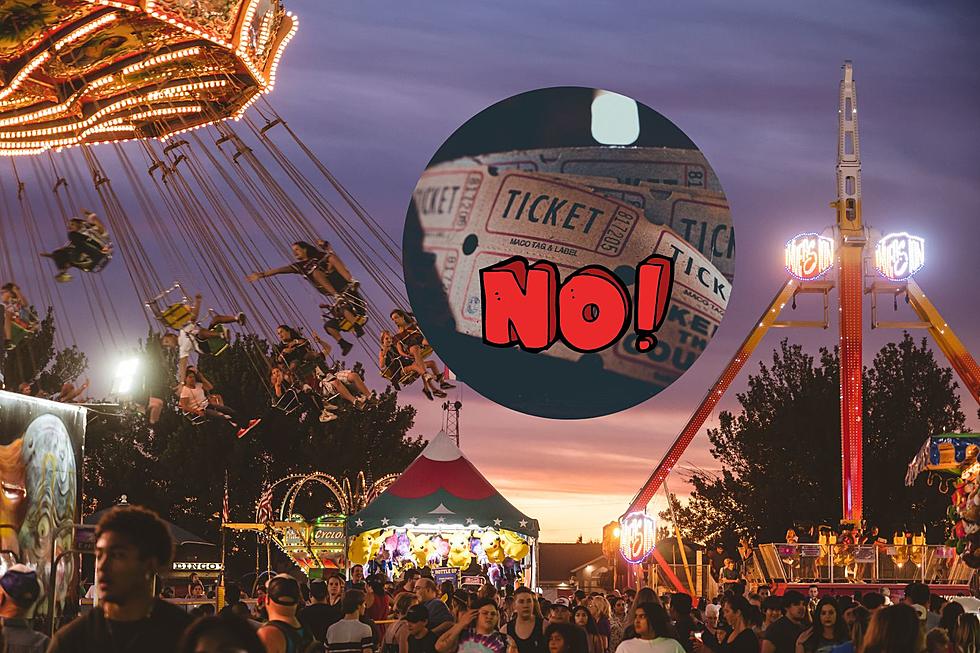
column 637, row 537
column 898, row 256
column 809, row 256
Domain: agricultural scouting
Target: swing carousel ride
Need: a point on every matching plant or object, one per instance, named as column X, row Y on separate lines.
column 151, row 120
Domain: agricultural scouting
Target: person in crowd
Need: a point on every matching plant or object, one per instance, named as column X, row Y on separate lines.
column 772, row 611
column 680, row 612
column 396, row 634
column 950, row 617
column 602, row 613
column 132, row 546
column 233, row 600
column 828, row 629
column 283, row 632
column 19, row 591
column 813, row 592
column 560, row 612
column 446, row 591
column 476, row 632
column 857, row 617
column 193, row 582
column 873, row 600
column 417, row 638
column 894, row 629
column 919, row 594
column 617, row 606
column 219, row 634
column 376, row 604
column 319, row 614
column 712, row 614
column 582, row 618
column 651, row 624
column 194, row 400
column 356, row 576
column 967, row 638
column 527, row 627
column 937, row 641
column 440, row 620
column 741, row 638
column 87, row 249
column 564, row 638
column 350, row 634
column 645, row 595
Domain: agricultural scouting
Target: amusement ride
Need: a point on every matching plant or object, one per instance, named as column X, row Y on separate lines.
column 855, row 260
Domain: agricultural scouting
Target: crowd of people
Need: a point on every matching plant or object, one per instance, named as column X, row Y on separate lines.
column 415, row 614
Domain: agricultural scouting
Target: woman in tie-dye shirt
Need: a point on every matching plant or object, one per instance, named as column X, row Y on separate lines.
column 476, row 632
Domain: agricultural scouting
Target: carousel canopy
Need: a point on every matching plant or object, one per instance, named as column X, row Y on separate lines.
column 441, row 488
column 87, row 71
column 949, row 452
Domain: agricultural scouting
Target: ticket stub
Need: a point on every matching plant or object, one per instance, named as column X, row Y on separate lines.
column 626, row 165
column 475, row 216
column 701, row 217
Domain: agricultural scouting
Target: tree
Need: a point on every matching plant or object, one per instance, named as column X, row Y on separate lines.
column 36, row 361
column 178, row 469
column 780, row 456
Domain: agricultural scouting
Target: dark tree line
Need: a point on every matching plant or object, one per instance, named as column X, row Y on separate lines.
column 779, row 456
column 178, row 469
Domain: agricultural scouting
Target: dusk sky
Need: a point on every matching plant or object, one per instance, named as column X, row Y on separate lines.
column 375, row 87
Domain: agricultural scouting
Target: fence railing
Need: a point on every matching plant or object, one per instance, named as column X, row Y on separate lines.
column 834, row 563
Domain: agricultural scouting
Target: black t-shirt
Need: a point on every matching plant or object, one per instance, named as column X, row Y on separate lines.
column 159, row 633
column 426, row 644
column 783, row 634
column 535, row 643
column 682, row 628
column 318, row 617
column 745, row 642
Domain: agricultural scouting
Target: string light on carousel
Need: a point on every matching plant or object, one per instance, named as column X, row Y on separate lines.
column 86, row 72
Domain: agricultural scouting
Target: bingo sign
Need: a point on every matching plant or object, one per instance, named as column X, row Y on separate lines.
column 899, row 256
column 809, row 256
column 637, row 537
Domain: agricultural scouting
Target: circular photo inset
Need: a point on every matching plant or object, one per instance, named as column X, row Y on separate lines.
column 581, row 182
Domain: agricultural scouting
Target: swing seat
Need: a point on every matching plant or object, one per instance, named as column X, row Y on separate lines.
column 288, row 403
column 193, row 418
column 176, row 316
column 88, row 261
column 349, row 325
column 213, row 346
column 23, row 324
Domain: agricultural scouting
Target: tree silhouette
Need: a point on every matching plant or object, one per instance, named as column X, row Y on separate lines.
column 780, row 456
column 178, row 469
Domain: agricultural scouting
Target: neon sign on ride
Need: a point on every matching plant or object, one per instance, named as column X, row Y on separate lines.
column 637, row 537
column 809, row 256
column 898, row 256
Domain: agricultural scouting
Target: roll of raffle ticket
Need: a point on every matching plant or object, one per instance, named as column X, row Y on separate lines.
column 587, row 206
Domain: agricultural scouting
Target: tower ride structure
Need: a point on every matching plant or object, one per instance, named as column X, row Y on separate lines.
column 855, row 260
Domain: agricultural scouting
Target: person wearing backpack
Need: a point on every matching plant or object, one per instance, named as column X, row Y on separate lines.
column 283, row 633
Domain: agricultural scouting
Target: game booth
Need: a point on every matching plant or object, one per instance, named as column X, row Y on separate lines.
column 442, row 513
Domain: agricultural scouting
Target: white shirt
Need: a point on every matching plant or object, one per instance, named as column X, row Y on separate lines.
column 196, row 395
column 658, row 645
column 185, row 339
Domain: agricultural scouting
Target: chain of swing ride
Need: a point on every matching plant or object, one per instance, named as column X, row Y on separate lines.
column 209, row 240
